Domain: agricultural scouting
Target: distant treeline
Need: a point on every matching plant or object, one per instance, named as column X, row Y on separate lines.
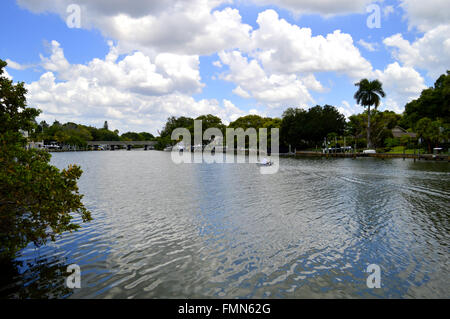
column 78, row 134
column 428, row 116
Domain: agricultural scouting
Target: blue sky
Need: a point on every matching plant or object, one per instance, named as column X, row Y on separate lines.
column 137, row 63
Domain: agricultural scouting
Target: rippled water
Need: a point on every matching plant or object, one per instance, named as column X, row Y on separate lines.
column 162, row 230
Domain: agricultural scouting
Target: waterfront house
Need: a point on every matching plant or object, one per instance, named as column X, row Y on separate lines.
column 399, row 132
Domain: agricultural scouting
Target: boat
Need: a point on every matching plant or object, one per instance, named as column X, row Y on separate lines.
column 265, row 162
column 178, row 147
column 168, row 149
column 437, row 151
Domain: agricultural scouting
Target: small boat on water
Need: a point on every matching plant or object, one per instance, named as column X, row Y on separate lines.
column 168, row 149
column 265, row 162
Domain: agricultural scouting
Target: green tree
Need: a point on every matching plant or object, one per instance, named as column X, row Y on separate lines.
column 105, row 135
column 269, row 124
column 382, row 124
column 36, row 198
column 292, row 129
column 249, row 121
column 322, row 121
column 171, row 124
column 431, row 131
column 176, row 122
column 256, row 122
column 146, row 136
column 162, row 142
column 211, row 121
column 301, row 129
column 433, row 103
column 68, row 133
column 367, row 95
column 131, row 136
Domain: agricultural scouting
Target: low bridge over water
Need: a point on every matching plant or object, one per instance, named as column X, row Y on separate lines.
column 127, row 144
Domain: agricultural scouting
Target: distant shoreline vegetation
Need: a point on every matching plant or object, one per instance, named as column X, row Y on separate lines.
column 428, row 117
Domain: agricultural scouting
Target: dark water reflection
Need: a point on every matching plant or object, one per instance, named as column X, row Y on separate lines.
column 224, row 230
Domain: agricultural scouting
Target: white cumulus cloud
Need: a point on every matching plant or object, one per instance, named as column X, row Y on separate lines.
column 189, row 27
column 430, row 52
column 276, row 63
column 401, row 84
column 426, row 15
column 324, row 7
column 273, row 90
column 16, row 66
column 287, row 48
column 369, row 46
column 134, row 93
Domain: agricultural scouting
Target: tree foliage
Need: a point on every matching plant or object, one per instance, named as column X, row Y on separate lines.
column 208, row 121
column 433, row 103
column 211, row 121
column 248, row 121
column 36, row 199
column 369, row 94
column 257, row 122
column 176, row 122
column 301, row 128
column 133, row 136
column 432, row 132
column 78, row 135
column 382, row 124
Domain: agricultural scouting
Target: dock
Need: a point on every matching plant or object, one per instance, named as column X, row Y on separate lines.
column 427, row 157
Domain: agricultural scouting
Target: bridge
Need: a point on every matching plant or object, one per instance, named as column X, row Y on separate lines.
column 111, row 145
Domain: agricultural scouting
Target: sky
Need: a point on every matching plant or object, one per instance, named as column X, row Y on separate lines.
column 135, row 63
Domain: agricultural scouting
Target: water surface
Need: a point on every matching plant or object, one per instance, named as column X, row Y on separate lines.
column 162, row 230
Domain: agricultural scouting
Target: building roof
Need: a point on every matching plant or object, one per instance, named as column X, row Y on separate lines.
column 398, row 132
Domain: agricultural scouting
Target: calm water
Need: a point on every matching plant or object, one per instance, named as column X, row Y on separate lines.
column 162, row 230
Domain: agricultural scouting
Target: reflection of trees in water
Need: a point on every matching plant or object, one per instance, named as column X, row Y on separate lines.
column 44, row 278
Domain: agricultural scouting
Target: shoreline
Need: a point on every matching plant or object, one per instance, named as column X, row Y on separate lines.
column 419, row 157
column 427, row 157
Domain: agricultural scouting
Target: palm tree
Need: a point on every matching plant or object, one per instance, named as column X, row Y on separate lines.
column 368, row 94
